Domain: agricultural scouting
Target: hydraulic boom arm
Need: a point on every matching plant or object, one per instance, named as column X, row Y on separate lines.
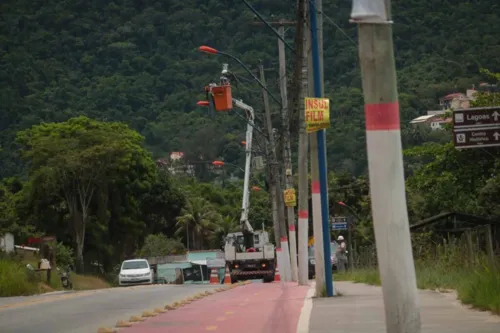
column 245, row 225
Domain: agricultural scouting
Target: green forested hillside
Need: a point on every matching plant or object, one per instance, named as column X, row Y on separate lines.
column 135, row 61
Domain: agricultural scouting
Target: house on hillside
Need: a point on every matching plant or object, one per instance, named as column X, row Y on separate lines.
column 434, row 121
column 434, row 118
column 457, row 100
column 175, row 164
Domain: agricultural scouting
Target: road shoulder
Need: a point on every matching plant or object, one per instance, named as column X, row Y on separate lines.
column 361, row 309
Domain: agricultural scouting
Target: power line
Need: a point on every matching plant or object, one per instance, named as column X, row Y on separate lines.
column 268, row 25
column 334, row 24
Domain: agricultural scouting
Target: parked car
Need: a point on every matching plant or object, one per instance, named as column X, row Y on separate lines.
column 312, row 260
column 134, row 272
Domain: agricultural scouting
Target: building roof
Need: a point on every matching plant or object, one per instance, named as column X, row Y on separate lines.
column 422, row 119
column 452, row 96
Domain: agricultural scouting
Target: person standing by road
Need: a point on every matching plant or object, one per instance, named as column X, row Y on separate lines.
column 341, row 254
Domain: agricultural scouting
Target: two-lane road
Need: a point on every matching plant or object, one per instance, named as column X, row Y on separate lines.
column 86, row 311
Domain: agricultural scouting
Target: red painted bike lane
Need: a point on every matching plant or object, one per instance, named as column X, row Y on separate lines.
column 254, row 308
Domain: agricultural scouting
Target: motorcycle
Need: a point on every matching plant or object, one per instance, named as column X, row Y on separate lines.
column 65, row 279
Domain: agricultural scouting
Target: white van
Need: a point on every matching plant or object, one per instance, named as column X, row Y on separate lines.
column 136, row 271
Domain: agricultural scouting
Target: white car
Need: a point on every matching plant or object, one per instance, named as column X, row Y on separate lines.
column 136, row 271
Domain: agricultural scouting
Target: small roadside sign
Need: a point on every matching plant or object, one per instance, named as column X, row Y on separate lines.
column 476, row 127
column 476, row 137
column 339, row 226
column 290, row 197
column 476, row 117
column 339, row 223
column 317, row 114
column 339, row 219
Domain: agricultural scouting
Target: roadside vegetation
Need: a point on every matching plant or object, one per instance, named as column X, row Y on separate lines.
column 445, row 267
column 17, row 280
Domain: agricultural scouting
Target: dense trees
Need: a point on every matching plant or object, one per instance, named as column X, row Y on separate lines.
column 135, row 62
column 447, row 179
column 90, row 89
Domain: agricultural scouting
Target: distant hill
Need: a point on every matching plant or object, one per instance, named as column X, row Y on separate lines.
column 135, row 61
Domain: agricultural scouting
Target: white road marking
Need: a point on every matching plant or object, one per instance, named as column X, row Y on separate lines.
column 305, row 313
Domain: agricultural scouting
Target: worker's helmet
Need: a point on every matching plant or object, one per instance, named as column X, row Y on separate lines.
column 341, row 238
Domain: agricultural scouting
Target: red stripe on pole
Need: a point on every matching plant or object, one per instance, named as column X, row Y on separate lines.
column 278, row 249
column 291, row 228
column 284, row 239
column 303, row 214
column 315, row 187
column 382, row 117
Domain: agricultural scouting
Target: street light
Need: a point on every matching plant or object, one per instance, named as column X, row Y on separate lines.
column 353, row 212
column 222, row 163
column 203, row 103
column 211, row 50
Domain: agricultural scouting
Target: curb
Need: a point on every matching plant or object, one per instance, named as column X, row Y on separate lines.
column 169, row 307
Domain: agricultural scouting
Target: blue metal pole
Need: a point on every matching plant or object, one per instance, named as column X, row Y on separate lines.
column 321, row 153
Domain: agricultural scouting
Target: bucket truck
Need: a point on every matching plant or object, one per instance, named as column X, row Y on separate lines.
column 248, row 253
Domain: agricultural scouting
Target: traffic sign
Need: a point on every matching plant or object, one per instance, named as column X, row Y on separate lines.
column 476, row 137
column 476, row 117
column 339, row 219
column 339, row 226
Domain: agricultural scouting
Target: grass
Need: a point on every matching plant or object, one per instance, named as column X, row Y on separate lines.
column 17, row 280
column 14, row 280
column 479, row 286
column 88, row 282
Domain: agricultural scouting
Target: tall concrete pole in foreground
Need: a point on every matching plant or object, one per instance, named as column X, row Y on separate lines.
column 385, row 162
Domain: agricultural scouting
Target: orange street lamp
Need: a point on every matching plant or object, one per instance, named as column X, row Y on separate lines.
column 203, row 103
column 211, row 50
column 218, row 163
column 208, row 49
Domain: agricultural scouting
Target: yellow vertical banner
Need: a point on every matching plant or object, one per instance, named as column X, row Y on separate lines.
column 317, row 114
column 290, row 197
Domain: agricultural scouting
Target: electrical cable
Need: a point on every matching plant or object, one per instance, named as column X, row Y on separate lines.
column 311, row 3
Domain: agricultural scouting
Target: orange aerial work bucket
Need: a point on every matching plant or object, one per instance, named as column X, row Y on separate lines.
column 222, row 98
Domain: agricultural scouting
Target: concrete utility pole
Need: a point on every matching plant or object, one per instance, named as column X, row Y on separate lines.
column 303, row 205
column 275, row 188
column 385, row 163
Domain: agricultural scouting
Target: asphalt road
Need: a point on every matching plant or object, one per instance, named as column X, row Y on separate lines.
column 86, row 311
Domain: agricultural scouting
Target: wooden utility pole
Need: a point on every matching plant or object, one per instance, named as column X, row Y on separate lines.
column 271, row 154
column 286, row 148
column 287, row 153
column 385, row 165
column 300, row 81
column 275, row 188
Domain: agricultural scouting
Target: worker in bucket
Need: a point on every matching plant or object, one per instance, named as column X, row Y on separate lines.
column 341, row 254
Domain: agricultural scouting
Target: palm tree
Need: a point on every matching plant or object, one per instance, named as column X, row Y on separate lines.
column 226, row 225
column 197, row 222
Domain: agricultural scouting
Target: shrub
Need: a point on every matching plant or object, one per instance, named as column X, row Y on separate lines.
column 15, row 279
